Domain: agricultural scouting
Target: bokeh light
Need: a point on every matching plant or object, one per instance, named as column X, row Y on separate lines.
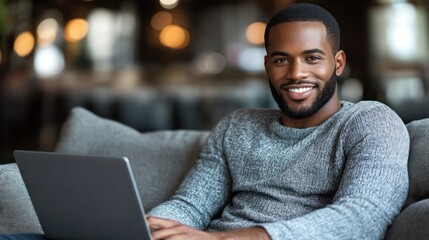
column 402, row 31
column 255, row 33
column 48, row 61
column 351, row 90
column 161, row 19
column 251, row 59
column 169, row 4
column 101, row 38
column 24, row 44
column 47, row 31
column 208, row 63
column 175, row 37
column 76, row 30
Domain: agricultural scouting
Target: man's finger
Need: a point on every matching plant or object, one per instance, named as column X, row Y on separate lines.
column 159, row 223
column 176, row 232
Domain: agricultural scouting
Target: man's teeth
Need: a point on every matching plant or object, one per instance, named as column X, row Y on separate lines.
column 300, row 90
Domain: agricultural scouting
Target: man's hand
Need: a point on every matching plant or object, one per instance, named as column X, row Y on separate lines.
column 164, row 229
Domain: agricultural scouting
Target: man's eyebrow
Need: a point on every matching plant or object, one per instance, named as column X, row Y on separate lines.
column 279, row 53
column 309, row 51
column 315, row 50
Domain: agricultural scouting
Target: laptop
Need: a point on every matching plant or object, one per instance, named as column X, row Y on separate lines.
column 83, row 197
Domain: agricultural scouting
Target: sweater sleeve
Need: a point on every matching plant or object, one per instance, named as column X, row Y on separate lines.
column 373, row 186
column 205, row 190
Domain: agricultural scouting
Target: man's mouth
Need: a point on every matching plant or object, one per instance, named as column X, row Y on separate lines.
column 300, row 90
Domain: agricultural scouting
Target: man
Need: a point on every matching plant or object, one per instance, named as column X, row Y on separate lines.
column 318, row 169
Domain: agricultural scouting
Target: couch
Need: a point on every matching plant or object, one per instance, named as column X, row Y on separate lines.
column 161, row 159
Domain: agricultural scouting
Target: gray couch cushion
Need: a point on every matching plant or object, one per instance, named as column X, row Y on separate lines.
column 412, row 222
column 418, row 162
column 159, row 160
column 16, row 211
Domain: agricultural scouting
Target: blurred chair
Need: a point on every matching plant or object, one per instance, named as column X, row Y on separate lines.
column 411, row 110
column 145, row 110
column 225, row 99
column 188, row 106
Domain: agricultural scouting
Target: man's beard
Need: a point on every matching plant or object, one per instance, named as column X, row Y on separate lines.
column 323, row 96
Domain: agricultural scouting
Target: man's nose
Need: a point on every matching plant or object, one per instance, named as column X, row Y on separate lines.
column 297, row 70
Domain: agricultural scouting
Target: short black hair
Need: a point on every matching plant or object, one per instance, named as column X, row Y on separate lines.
column 307, row 12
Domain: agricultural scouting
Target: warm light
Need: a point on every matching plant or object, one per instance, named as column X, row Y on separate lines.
column 47, row 31
column 161, row 19
column 174, row 36
column 0, row 56
column 169, row 4
column 255, row 33
column 24, row 44
column 76, row 30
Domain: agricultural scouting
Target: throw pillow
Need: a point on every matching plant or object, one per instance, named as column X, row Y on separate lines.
column 159, row 160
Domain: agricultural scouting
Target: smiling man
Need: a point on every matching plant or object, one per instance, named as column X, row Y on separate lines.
column 302, row 68
column 319, row 168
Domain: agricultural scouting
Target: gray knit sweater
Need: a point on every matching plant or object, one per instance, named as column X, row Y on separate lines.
column 344, row 179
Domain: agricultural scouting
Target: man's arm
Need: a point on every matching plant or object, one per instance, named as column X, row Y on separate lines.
column 164, row 229
column 373, row 187
column 205, row 190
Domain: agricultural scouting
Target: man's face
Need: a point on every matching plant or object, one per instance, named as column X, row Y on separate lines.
column 301, row 68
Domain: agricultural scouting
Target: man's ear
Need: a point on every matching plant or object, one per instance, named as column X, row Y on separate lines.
column 340, row 62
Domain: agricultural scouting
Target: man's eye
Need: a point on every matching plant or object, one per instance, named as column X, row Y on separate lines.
column 280, row 61
column 313, row 58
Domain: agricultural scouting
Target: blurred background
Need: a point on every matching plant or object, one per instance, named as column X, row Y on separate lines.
column 185, row 64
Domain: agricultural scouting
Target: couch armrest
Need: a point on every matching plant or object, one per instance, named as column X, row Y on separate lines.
column 412, row 223
column 17, row 214
column 418, row 162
